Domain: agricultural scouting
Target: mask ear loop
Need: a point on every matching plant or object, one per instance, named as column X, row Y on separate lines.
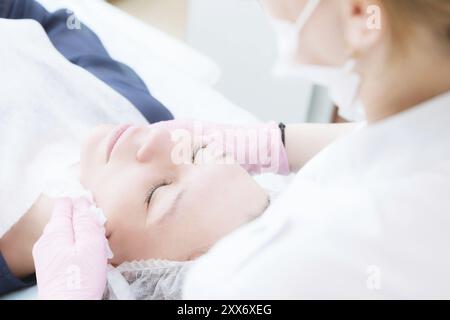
column 306, row 14
column 304, row 17
column 350, row 69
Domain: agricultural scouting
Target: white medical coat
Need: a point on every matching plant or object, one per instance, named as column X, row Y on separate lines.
column 369, row 217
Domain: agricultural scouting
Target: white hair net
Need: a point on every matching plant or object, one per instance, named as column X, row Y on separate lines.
column 47, row 107
column 146, row 280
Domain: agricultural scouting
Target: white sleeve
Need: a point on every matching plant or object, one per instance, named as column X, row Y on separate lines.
column 307, row 262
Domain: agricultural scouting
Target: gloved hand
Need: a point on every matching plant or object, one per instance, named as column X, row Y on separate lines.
column 71, row 255
column 258, row 148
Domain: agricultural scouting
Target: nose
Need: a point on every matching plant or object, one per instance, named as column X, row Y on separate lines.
column 157, row 145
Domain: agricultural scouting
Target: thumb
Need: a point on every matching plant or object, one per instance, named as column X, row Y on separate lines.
column 86, row 225
column 60, row 226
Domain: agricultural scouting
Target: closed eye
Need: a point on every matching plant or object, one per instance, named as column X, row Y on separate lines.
column 152, row 190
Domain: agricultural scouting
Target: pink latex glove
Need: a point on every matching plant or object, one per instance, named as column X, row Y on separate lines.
column 71, row 255
column 258, row 148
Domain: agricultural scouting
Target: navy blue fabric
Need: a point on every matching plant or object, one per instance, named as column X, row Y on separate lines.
column 83, row 48
column 8, row 282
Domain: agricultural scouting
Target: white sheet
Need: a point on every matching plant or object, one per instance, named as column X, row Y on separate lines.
column 41, row 131
column 176, row 75
column 114, row 26
column 26, row 294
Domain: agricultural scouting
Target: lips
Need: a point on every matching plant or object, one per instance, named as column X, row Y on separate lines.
column 117, row 133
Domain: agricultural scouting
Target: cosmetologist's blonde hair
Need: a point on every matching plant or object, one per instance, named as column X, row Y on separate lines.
column 431, row 14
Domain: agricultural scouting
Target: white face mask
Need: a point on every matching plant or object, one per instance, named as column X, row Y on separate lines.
column 342, row 82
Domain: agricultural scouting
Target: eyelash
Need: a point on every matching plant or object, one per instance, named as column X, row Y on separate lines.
column 152, row 190
column 196, row 150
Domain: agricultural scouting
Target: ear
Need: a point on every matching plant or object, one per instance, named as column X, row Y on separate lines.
column 365, row 24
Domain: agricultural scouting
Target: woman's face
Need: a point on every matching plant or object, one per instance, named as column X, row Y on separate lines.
column 336, row 29
column 157, row 208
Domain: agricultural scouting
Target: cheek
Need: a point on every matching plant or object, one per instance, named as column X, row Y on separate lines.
column 118, row 182
column 126, row 217
column 91, row 156
column 130, row 241
column 323, row 39
column 120, row 193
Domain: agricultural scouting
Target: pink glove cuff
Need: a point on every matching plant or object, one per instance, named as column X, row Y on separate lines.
column 257, row 148
column 272, row 158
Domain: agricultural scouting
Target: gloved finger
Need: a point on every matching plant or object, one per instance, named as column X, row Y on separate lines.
column 81, row 204
column 60, row 226
column 86, row 225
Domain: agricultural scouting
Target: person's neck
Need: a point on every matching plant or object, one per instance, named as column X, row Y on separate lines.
column 405, row 85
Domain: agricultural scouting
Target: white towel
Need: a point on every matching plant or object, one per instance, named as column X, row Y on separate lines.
column 47, row 106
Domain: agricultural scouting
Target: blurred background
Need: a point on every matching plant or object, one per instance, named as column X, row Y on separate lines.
column 238, row 37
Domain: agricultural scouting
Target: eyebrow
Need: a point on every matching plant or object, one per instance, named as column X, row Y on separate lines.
column 173, row 207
